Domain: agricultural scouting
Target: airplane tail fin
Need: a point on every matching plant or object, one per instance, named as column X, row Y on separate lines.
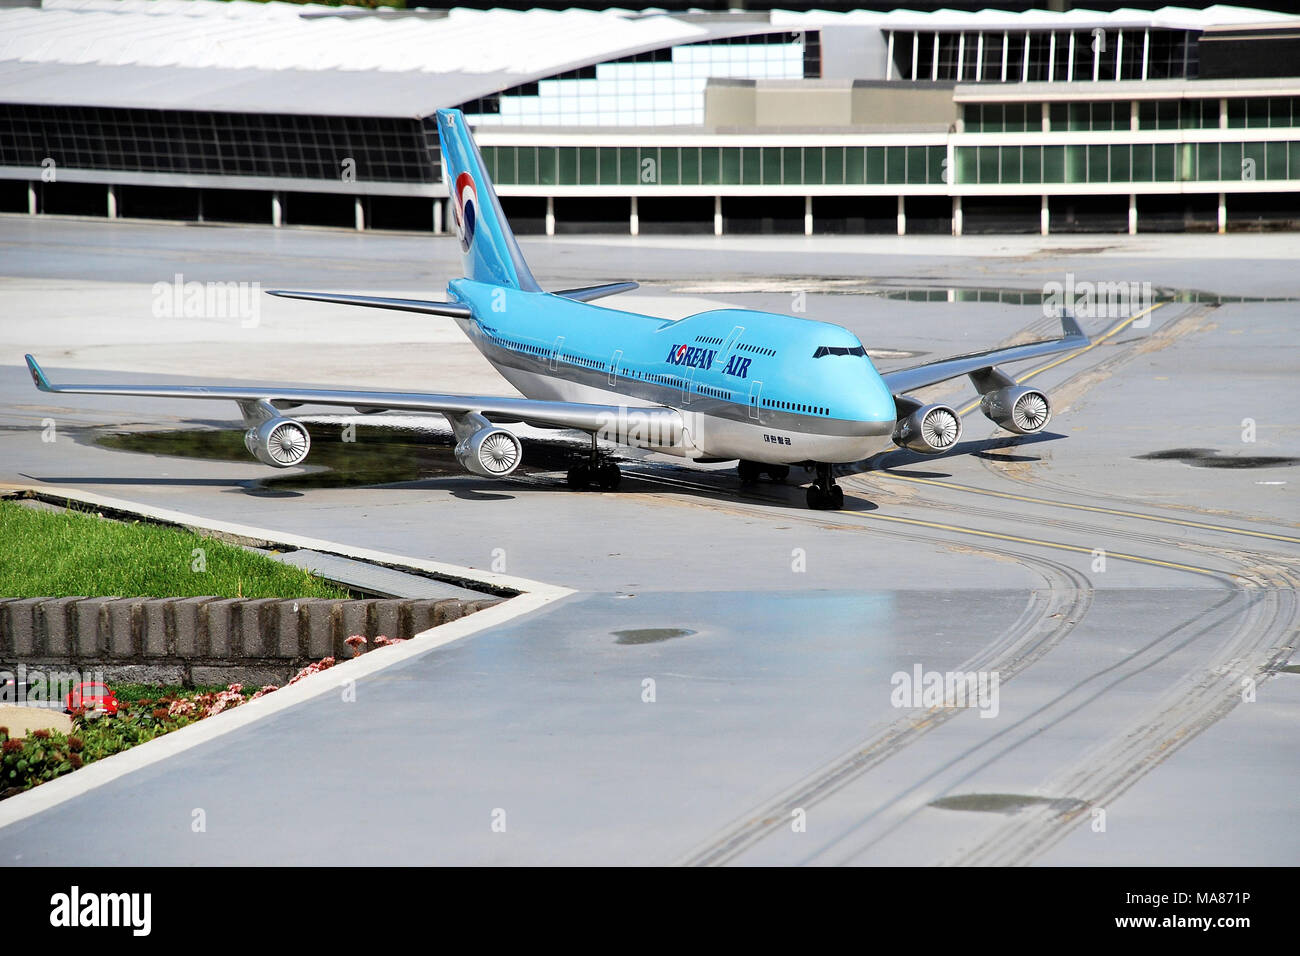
column 488, row 248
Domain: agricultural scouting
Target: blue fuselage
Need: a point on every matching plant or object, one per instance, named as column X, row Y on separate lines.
column 753, row 385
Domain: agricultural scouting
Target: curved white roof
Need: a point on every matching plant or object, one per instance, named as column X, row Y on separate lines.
column 293, row 58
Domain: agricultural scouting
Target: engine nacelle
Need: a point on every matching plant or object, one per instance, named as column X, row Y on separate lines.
column 929, row 430
column 490, row 452
column 1018, row 409
column 281, row 442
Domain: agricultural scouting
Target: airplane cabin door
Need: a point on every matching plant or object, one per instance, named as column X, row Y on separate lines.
column 614, row 367
column 755, row 399
column 555, row 353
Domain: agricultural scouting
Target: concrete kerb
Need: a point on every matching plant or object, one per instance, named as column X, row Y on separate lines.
column 530, row 596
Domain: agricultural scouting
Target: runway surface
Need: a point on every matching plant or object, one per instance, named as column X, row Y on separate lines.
column 1129, row 574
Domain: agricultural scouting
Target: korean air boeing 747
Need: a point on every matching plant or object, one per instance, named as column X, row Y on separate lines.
column 764, row 389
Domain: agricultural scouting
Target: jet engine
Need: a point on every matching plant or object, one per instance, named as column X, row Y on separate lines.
column 927, row 429
column 281, row 442
column 1017, row 409
column 490, row 452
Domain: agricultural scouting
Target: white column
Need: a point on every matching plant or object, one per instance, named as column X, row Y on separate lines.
column 1096, row 62
column 550, row 215
column 277, row 211
column 934, row 62
column 956, row 215
column 889, row 57
column 717, row 212
column 807, row 216
column 916, row 50
column 1146, row 51
column 1069, row 60
column 1134, row 116
column 1047, row 118
column 31, row 199
column 633, row 219
column 1051, row 58
column 1024, row 74
column 902, row 218
column 1223, row 113
column 1132, row 214
column 1119, row 55
column 961, row 54
column 358, row 214
column 1044, row 218
column 112, row 201
column 1223, row 213
column 1006, row 37
column 437, row 216
column 979, row 56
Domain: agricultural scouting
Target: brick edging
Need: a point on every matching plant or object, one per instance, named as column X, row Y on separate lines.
column 204, row 640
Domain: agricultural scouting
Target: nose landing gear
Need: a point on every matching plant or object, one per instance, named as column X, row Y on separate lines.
column 824, row 494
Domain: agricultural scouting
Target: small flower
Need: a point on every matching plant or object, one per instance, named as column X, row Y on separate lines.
column 41, row 734
column 75, row 760
column 11, row 746
column 75, row 744
column 160, row 713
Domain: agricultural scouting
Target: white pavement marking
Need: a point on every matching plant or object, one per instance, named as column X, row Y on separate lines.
column 533, row 596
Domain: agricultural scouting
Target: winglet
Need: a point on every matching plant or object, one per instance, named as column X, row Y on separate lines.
column 1071, row 327
column 38, row 376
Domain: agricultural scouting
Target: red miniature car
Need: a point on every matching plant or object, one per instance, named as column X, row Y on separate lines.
column 91, row 696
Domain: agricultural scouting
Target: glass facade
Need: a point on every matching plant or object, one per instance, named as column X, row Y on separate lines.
column 659, row 88
column 1127, row 163
column 998, row 56
column 219, row 144
column 714, row 165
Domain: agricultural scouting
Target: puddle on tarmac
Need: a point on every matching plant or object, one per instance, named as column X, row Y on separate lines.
column 379, row 455
column 651, row 635
column 1211, row 458
column 905, row 291
column 1004, row 802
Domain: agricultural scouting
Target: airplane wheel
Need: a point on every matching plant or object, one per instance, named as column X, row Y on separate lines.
column 778, row 473
column 749, row 472
column 836, row 501
column 816, row 498
column 579, row 477
column 608, row 476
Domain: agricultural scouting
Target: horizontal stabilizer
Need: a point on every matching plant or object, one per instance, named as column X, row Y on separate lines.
column 587, row 293
column 453, row 309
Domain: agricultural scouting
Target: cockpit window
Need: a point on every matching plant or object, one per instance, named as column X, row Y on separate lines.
column 838, row 350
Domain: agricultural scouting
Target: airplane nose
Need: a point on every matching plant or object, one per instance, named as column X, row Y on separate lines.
column 874, row 406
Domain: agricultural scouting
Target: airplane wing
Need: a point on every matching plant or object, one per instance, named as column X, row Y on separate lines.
column 497, row 409
column 910, row 379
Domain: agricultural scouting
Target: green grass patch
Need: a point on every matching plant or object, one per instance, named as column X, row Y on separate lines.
column 73, row 554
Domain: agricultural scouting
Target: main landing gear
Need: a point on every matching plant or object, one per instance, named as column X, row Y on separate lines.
column 751, row 471
column 598, row 470
column 824, row 494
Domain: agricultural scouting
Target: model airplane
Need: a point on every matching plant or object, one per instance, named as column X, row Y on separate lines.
column 764, row 389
